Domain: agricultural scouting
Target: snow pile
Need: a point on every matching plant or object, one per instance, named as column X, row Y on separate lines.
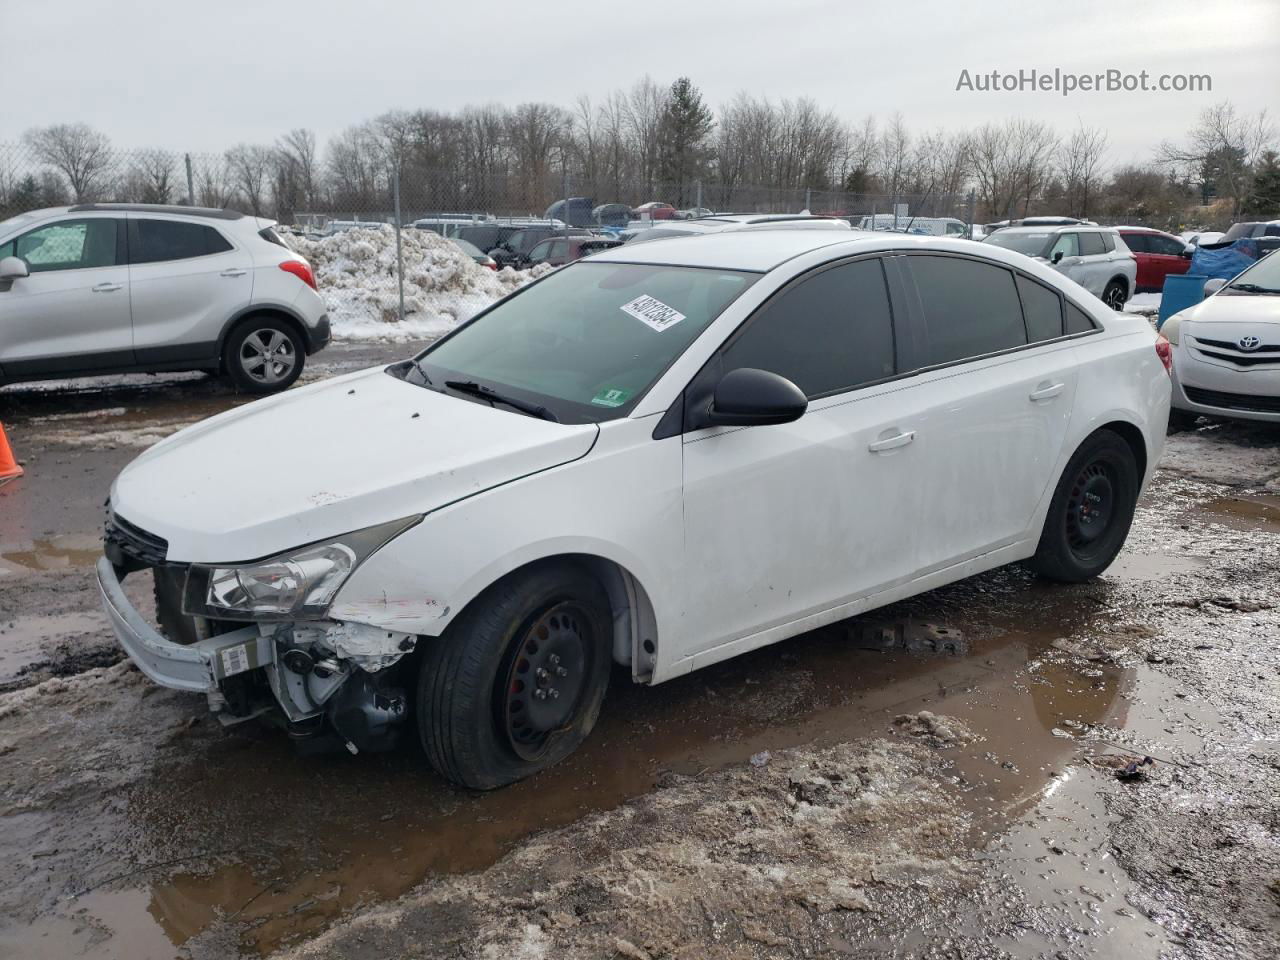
column 356, row 272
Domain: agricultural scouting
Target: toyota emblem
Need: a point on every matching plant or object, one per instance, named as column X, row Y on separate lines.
column 1249, row 344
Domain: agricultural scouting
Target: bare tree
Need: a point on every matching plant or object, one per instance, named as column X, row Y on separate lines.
column 1080, row 163
column 1222, row 149
column 249, row 165
column 75, row 150
column 298, row 150
column 149, row 178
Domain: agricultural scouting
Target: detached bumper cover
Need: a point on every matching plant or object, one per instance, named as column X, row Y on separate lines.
column 196, row 668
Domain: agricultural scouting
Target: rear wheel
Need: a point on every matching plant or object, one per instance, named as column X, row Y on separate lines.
column 515, row 684
column 1114, row 294
column 1091, row 511
column 263, row 355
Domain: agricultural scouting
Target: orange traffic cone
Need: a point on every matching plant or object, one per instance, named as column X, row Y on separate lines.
column 9, row 469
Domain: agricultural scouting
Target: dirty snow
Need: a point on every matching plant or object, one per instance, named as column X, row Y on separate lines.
column 1147, row 304
column 356, row 272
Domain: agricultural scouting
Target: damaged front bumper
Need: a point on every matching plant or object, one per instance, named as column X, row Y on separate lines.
column 322, row 677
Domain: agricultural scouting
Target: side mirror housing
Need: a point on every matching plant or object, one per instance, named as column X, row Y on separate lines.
column 748, row 397
column 1211, row 286
column 1057, row 256
column 13, row 268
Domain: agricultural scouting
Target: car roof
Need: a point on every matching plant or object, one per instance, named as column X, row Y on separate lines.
column 162, row 208
column 751, row 250
column 1059, row 228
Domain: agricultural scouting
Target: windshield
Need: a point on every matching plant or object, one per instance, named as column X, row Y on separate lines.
column 1032, row 244
column 586, row 341
column 1265, row 274
column 1239, row 231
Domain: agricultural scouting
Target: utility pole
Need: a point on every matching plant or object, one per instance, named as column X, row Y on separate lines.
column 191, row 190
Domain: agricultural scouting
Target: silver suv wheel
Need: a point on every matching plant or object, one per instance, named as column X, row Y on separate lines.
column 268, row 356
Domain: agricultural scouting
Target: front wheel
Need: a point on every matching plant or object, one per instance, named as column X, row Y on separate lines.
column 1114, row 295
column 1091, row 511
column 263, row 355
column 515, row 684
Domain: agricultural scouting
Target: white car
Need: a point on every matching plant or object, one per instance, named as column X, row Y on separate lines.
column 104, row 288
column 1226, row 350
column 660, row 457
column 1094, row 257
column 729, row 222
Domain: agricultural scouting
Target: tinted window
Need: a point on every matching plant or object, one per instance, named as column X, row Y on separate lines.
column 970, row 308
column 153, row 241
column 1108, row 241
column 829, row 332
column 1091, row 244
column 1067, row 243
column 66, row 245
column 1138, row 242
column 1077, row 320
column 486, row 238
column 1042, row 309
column 1167, row 246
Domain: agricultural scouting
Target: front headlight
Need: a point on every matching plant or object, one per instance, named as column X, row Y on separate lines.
column 298, row 585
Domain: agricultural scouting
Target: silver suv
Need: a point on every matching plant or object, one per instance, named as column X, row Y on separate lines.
column 1094, row 257
column 117, row 288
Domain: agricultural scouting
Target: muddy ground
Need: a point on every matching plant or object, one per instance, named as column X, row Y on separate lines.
column 937, row 779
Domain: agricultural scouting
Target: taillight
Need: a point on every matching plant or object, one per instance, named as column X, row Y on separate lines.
column 1164, row 350
column 300, row 269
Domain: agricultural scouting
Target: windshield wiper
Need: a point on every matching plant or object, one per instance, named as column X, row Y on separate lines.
column 1252, row 288
column 493, row 396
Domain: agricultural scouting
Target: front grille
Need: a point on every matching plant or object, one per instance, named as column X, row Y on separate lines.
column 1231, row 345
column 132, row 543
column 1242, row 359
column 1233, row 401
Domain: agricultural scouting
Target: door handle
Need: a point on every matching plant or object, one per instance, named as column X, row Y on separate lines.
column 106, row 287
column 233, row 273
column 1047, row 391
column 893, row 442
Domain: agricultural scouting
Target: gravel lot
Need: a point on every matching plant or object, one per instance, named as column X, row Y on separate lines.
column 937, row 779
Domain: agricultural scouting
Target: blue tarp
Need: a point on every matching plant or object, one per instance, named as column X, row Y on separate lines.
column 1180, row 291
column 1224, row 261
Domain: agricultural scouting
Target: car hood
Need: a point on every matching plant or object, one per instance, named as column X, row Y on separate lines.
column 1232, row 308
column 327, row 459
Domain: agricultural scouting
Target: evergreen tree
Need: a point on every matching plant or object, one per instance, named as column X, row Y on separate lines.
column 1264, row 195
column 686, row 125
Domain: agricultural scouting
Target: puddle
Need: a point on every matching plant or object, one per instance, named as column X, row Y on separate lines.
column 1152, row 566
column 54, row 553
column 1246, row 513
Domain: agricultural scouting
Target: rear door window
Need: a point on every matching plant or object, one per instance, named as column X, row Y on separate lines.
column 1042, row 309
column 829, row 332
column 970, row 308
column 156, row 241
column 67, row 245
column 1091, row 244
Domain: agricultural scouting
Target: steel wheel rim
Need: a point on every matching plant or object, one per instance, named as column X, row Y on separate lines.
column 267, row 356
column 1091, row 506
column 546, row 678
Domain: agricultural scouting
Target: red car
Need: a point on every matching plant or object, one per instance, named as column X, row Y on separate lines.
column 654, row 210
column 1158, row 254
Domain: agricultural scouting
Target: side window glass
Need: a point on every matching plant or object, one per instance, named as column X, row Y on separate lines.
column 970, row 308
column 155, row 241
column 1108, row 241
column 1091, row 244
column 68, row 245
column 1042, row 308
column 540, row 251
column 1068, row 244
column 1138, row 242
column 829, row 332
column 1168, row 246
column 1077, row 320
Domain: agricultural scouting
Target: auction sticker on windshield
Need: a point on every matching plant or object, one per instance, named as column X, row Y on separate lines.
column 611, row 398
column 653, row 312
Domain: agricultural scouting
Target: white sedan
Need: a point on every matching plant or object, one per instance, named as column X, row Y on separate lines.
column 660, row 457
column 1226, row 350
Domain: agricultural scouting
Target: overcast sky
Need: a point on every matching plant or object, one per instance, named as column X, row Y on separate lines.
column 201, row 76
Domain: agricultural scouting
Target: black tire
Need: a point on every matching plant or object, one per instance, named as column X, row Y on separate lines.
column 263, row 355
column 1091, row 511
column 1114, row 294
column 477, row 728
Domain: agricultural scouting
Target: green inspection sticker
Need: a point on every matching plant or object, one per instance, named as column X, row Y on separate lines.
column 611, row 398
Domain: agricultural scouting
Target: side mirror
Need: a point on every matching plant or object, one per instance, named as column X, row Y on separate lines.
column 1211, row 286
column 13, row 268
column 1057, row 256
column 748, row 397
